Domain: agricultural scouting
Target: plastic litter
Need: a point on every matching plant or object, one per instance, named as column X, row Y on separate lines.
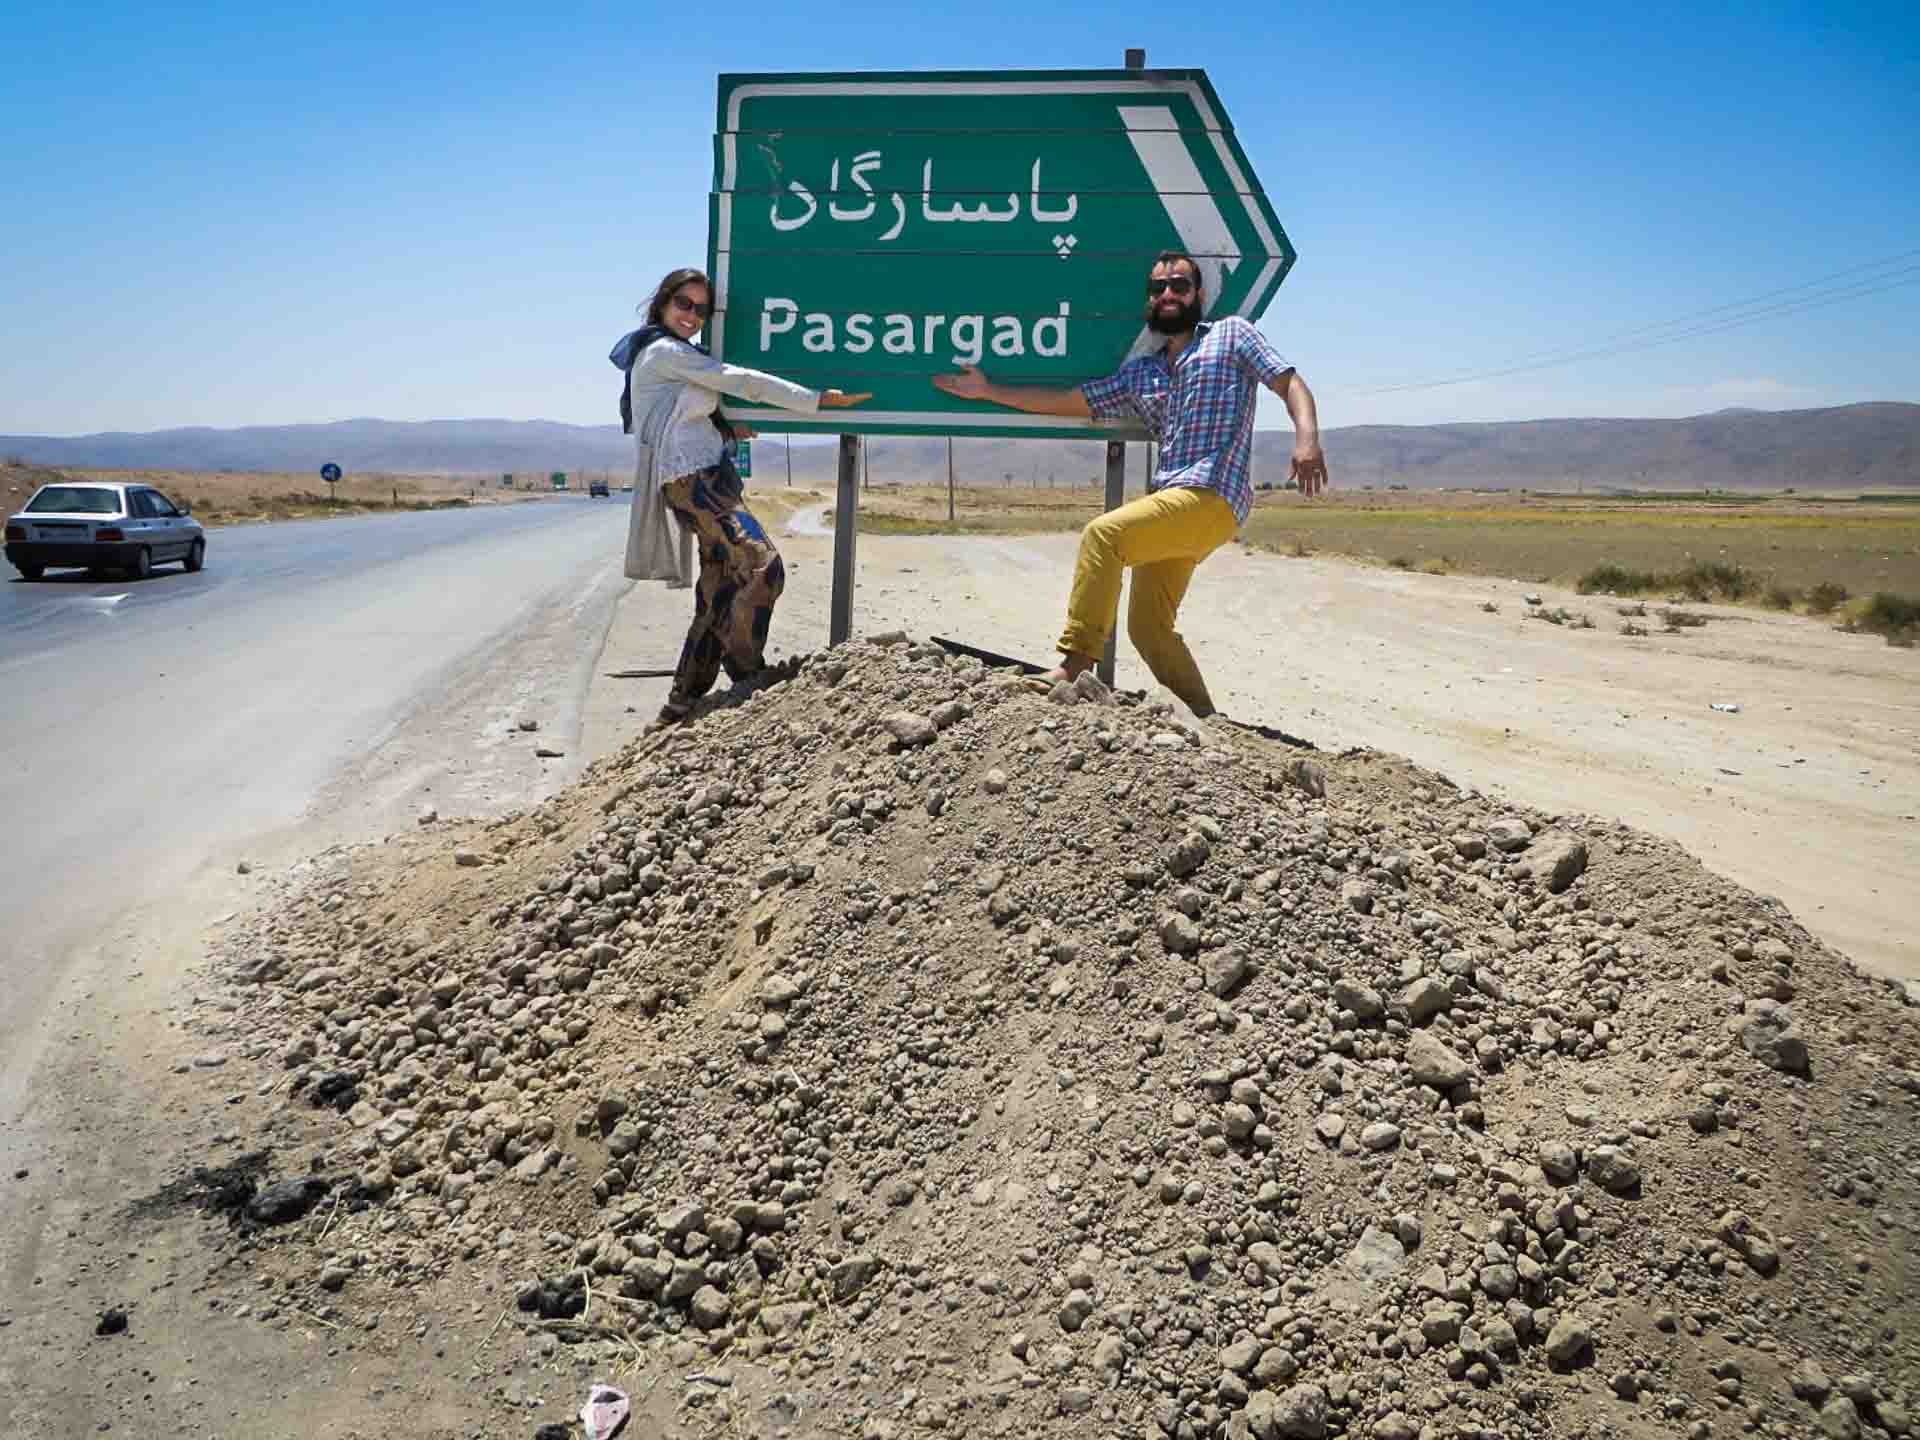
column 1726, row 707
column 605, row 1412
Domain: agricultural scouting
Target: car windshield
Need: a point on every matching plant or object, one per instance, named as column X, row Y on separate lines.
column 75, row 500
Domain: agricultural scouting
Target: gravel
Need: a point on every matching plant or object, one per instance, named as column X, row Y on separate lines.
column 896, row 1024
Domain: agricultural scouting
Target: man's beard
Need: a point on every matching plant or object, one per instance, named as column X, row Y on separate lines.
column 1178, row 323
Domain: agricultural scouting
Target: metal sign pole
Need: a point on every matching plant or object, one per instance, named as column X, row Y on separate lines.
column 1116, row 496
column 950, row 479
column 845, row 521
column 1135, row 59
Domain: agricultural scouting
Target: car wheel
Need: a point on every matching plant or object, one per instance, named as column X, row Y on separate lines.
column 196, row 556
column 31, row 572
column 141, row 566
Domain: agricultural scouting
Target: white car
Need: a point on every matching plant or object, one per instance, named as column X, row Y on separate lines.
column 101, row 524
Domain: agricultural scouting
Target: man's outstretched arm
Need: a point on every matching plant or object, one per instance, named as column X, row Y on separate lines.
column 970, row 384
column 1309, row 468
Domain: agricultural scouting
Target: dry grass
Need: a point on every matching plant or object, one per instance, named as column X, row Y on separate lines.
column 233, row 497
column 1807, row 553
column 1763, row 548
column 1725, row 551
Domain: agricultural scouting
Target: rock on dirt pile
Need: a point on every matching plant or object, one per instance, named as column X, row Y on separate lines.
column 980, row 1062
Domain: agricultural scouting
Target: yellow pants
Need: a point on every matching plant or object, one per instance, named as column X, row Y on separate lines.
column 1162, row 538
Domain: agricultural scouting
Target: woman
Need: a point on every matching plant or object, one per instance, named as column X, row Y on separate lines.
column 685, row 474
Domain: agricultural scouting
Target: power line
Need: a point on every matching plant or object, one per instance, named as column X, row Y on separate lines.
column 1811, row 302
column 1698, row 323
column 1696, row 315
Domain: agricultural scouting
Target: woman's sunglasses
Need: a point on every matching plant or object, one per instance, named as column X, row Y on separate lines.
column 1179, row 284
column 681, row 302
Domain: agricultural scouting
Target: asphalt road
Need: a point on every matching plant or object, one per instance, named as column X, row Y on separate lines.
column 152, row 730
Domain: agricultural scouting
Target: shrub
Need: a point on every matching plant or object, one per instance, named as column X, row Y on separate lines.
column 1894, row 616
column 1682, row 619
column 1627, row 627
column 1618, row 579
column 1822, row 598
column 1703, row 579
column 1639, row 609
column 1400, row 562
column 1782, row 597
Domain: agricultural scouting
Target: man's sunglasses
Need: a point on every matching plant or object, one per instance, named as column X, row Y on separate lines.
column 1178, row 284
column 681, row 302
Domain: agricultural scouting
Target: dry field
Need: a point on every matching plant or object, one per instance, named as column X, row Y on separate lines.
column 237, row 497
column 1783, row 546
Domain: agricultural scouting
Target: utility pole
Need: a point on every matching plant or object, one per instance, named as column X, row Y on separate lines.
column 950, row 516
column 789, row 439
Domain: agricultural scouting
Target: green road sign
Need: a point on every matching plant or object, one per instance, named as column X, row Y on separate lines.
column 506, row 482
column 869, row 231
column 743, row 459
column 559, row 479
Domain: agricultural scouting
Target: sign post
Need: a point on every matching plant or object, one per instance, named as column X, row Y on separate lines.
column 558, row 480
column 1116, row 497
column 846, row 512
column 330, row 473
column 743, row 459
column 871, row 231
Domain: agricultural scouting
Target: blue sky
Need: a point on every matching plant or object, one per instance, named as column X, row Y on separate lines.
column 270, row 214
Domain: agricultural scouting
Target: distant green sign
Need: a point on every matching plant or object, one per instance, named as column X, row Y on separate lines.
column 743, row 459
column 506, row 482
column 559, row 479
column 869, row 231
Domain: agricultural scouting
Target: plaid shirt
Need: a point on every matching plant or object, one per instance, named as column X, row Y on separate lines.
column 1200, row 408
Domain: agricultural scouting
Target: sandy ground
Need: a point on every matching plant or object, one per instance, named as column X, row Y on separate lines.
column 1811, row 792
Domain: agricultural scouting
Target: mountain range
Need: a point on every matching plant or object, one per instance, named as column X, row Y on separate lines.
column 1869, row 446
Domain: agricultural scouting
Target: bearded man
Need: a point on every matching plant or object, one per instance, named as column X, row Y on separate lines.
column 1195, row 394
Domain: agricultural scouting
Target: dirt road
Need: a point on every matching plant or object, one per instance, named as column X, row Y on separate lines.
column 1810, row 792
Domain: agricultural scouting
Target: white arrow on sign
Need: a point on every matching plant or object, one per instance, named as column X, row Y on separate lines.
column 1163, row 151
column 1183, row 191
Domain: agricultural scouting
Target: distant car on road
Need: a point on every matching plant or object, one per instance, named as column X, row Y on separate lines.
column 101, row 525
column 599, row 488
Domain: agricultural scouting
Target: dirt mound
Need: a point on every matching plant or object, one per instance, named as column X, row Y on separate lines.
column 932, row 1055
